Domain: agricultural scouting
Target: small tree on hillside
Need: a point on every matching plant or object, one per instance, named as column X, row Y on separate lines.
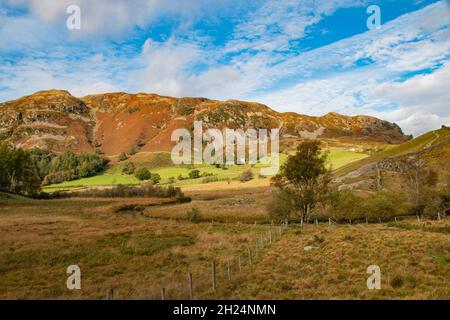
column 142, row 174
column 418, row 180
column 305, row 178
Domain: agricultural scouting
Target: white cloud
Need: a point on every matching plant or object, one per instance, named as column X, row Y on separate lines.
column 186, row 64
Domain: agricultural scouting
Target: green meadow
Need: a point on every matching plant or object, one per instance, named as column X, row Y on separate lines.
column 160, row 163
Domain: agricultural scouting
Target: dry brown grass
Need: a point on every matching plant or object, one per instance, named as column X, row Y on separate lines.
column 139, row 253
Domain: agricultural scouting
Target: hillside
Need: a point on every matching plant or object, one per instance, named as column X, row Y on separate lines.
column 120, row 122
column 433, row 147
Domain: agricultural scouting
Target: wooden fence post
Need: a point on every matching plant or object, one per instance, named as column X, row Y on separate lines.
column 418, row 219
column 110, row 294
column 191, row 295
column 270, row 236
column 301, row 222
column 163, row 293
column 229, row 271
column 329, row 221
column 213, row 275
column 249, row 256
column 439, row 216
column 317, row 222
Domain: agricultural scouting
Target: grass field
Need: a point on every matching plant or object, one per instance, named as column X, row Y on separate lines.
column 138, row 253
column 160, row 163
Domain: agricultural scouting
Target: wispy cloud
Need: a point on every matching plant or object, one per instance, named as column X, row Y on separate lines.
column 248, row 50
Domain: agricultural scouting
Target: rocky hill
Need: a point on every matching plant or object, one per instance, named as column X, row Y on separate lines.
column 381, row 172
column 119, row 122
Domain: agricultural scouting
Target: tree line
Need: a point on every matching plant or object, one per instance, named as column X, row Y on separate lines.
column 305, row 189
column 24, row 172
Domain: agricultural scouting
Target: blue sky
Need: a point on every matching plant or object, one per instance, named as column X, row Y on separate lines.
column 311, row 56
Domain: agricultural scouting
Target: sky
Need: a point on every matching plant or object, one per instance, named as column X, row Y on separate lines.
column 306, row 56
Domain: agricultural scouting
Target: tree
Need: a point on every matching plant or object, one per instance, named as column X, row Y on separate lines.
column 142, row 174
column 345, row 205
column 304, row 177
column 128, row 168
column 155, row 177
column 17, row 171
column 281, row 207
column 418, row 180
column 384, row 205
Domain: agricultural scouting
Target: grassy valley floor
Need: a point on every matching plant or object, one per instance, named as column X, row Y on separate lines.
column 137, row 253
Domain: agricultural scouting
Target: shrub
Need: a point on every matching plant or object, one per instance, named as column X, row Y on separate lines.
column 246, row 176
column 210, row 179
column 384, row 205
column 123, row 156
column 185, row 111
column 142, row 174
column 397, row 281
column 281, row 206
column 194, row 174
column 155, row 177
column 128, row 168
column 172, row 180
column 345, row 205
column 121, row 191
column 194, row 215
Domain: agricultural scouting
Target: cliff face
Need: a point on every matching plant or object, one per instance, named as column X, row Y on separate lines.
column 118, row 122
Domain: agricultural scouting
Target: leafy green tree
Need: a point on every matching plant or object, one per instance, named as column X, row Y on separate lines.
column 345, row 205
column 385, row 205
column 304, row 178
column 18, row 173
column 142, row 173
column 155, row 177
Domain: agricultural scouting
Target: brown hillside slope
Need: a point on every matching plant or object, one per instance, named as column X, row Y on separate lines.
column 119, row 122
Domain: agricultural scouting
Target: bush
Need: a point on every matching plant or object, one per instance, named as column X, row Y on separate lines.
column 155, row 177
column 385, row 205
column 142, row 174
column 194, row 174
column 172, row 180
column 281, row 206
column 246, row 176
column 210, row 179
column 194, row 215
column 121, row 191
column 397, row 281
column 128, row 168
column 345, row 205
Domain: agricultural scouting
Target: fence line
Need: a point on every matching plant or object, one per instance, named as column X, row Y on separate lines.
column 228, row 268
